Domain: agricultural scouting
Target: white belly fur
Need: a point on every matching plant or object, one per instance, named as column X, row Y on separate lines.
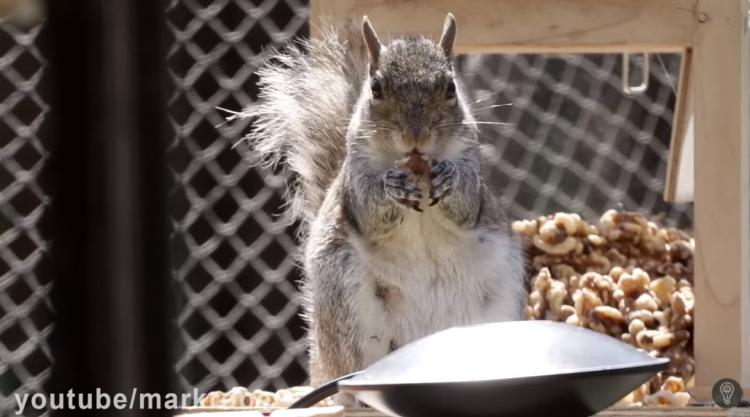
column 445, row 277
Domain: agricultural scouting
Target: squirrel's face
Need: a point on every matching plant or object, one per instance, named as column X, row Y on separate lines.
column 414, row 102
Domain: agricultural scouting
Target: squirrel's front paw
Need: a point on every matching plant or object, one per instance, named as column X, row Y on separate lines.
column 401, row 189
column 444, row 177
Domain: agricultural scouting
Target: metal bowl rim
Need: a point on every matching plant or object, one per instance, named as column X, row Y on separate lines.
column 657, row 364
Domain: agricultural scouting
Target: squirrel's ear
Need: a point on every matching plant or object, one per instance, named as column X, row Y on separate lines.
column 449, row 35
column 373, row 44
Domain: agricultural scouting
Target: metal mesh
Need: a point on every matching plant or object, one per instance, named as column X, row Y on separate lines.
column 25, row 307
column 232, row 259
column 573, row 142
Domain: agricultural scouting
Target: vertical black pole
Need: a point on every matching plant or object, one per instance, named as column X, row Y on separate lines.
column 108, row 217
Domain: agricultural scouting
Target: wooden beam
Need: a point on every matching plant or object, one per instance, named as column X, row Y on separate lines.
column 721, row 193
column 530, row 26
column 745, row 192
column 678, row 186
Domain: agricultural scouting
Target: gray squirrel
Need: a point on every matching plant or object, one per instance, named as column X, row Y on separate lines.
column 390, row 253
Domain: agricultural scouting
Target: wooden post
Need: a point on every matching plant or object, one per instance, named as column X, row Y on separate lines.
column 720, row 102
column 678, row 185
column 745, row 191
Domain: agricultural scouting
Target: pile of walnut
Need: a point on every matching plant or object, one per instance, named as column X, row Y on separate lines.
column 240, row 397
column 627, row 278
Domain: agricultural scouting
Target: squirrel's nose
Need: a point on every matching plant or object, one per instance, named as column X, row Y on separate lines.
column 414, row 137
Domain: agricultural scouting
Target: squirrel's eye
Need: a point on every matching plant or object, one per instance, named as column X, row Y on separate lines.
column 377, row 89
column 450, row 92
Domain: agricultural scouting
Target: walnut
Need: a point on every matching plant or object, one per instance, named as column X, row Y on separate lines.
column 598, row 263
column 645, row 339
column 596, row 240
column 562, row 271
column 585, row 300
column 240, row 397
column 651, row 241
column 567, row 311
column 212, row 399
column 681, row 251
column 664, row 317
column 663, row 289
column 640, row 392
column 603, row 285
column 667, row 398
column 556, row 294
column 551, row 232
column 683, row 322
column 416, row 163
column 646, row 302
column 615, row 225
column 574, row 320
column 634, row 284
column 235, row 397
column 645, row 316
column 636, row 326
column 615, row 257
column 528, row 312
column 615, row 273
column 526, row 227
column 567, row 222
column 662, row 340
column 287, row 396
column 673, row 384
column 547, row 296
column 264, row 398
column 626, row 277
column 536, row 304
column 683, row 302
column 566, row 245
column 608, row 319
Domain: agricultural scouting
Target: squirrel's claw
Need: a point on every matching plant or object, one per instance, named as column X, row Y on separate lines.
column 401, row 189
column 443, row 180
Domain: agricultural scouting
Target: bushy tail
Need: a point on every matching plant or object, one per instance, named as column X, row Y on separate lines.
column 307, row 95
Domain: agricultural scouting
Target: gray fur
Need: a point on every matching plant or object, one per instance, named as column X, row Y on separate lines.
column 373, row 44
column 449, row 35
column 388, row 257
column 301, row 117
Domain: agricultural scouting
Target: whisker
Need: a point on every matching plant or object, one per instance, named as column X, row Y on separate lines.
column 473, row 123
column 493, row 106
column 233, row 112
column 243, row 139
column 483, row 98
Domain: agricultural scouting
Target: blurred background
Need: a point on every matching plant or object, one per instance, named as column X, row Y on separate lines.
column 573, row 141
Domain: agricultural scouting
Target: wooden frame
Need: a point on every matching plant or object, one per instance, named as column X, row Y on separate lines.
column 712, row 36
column 720, row 94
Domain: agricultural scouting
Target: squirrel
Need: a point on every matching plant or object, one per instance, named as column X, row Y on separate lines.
column 400, row 234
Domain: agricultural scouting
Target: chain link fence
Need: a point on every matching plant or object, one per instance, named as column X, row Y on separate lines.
column 572, row 141
column 25, row 307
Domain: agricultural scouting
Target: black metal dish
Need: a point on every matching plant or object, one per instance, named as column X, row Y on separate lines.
column 532, row 368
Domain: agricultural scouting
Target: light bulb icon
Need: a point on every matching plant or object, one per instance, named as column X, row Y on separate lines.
column 727, row 390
